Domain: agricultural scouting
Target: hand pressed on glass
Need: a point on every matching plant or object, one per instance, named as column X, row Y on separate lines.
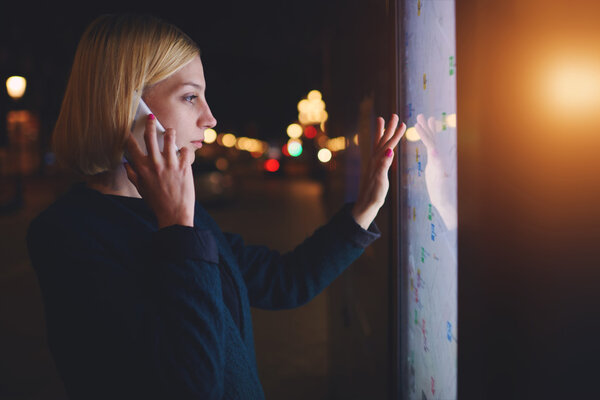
column 374, row 183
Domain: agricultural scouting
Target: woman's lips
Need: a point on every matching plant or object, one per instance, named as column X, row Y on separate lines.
column 197, row 143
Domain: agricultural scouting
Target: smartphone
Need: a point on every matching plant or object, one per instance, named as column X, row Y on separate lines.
column 139, row 125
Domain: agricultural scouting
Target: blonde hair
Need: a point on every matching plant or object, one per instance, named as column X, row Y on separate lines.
column 118, row 57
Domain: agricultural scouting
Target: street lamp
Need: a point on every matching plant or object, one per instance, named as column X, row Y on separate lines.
column 15, row 86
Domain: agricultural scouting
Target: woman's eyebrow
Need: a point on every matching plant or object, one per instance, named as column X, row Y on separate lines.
column 197, row 86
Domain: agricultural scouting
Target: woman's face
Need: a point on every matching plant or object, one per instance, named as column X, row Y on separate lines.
column 178, row 102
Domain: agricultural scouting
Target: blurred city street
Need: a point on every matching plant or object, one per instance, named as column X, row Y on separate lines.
column 291, row 346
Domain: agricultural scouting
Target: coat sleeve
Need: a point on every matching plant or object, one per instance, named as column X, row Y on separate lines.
column 168, row 324
column 280, row 281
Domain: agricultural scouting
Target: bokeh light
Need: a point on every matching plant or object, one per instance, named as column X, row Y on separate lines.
column 303, row 105
column 15, row 86
column 412, row 135
column 222, row 164
column 324, row 155
column 241, row 143
column 271, row 165
column 324, row 115
column 336, row 144
column 322, row 140
column 451, row 120
column 229, row 140
column 310, row 132
column 273, row 151
column 312, row 109
column 314, row 95
column 294, row 131
column 294, row 147
column 210, row 135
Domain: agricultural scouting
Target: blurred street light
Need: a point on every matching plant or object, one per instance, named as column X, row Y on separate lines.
column 294, row 147
column 15, row 86
column 210, row 135
column 294, row 131
column 312, row 109
column 336, row 144
column 324, row 155
column 228, row 140
column 412, row 135
column 314, row 95
column 310, row 132
column 271, row 165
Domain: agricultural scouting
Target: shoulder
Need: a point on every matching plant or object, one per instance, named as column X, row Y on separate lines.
column 60, row 210
column 68, row 214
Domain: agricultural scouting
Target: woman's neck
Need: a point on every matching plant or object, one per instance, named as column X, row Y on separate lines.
column 113, row 182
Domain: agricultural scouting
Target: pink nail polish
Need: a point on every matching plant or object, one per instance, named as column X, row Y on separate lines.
column 151, row 116
column 389, row 153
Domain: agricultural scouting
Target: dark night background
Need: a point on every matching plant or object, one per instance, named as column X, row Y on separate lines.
column 260, row 57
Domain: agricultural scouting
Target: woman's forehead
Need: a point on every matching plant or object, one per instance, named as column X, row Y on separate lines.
column 192, row 75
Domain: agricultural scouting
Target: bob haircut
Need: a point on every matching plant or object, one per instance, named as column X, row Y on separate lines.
column 117, row 58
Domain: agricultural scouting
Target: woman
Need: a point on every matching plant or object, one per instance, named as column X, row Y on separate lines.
column 144, row 296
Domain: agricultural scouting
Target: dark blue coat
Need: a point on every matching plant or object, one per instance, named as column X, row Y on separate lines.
column 133, row 311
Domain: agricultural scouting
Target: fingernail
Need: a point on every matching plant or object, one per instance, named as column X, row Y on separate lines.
column 389, row 153
column 151, row 116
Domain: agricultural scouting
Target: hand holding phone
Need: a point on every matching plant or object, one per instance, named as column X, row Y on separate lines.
column 167, row 185
column 139, row 124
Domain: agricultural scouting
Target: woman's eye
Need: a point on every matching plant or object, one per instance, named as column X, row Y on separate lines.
column 190, row 98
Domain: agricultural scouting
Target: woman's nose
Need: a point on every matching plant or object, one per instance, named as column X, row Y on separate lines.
column 213, row 121
column 207, row 120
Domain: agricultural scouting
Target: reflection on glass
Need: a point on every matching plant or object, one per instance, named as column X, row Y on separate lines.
column 428, row 309
column 438, row 172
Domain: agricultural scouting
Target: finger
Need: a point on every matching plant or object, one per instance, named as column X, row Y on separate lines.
column 425, row 135
column 421, row 131
column 170, row 151
column 389, row 131
column 133, row 152
column 384, row 162
column 131, row 174
column 423, row 128
column 379, row 131
column 185, row 156
column 393, row 142
column 431, row 124
column 150, row 139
